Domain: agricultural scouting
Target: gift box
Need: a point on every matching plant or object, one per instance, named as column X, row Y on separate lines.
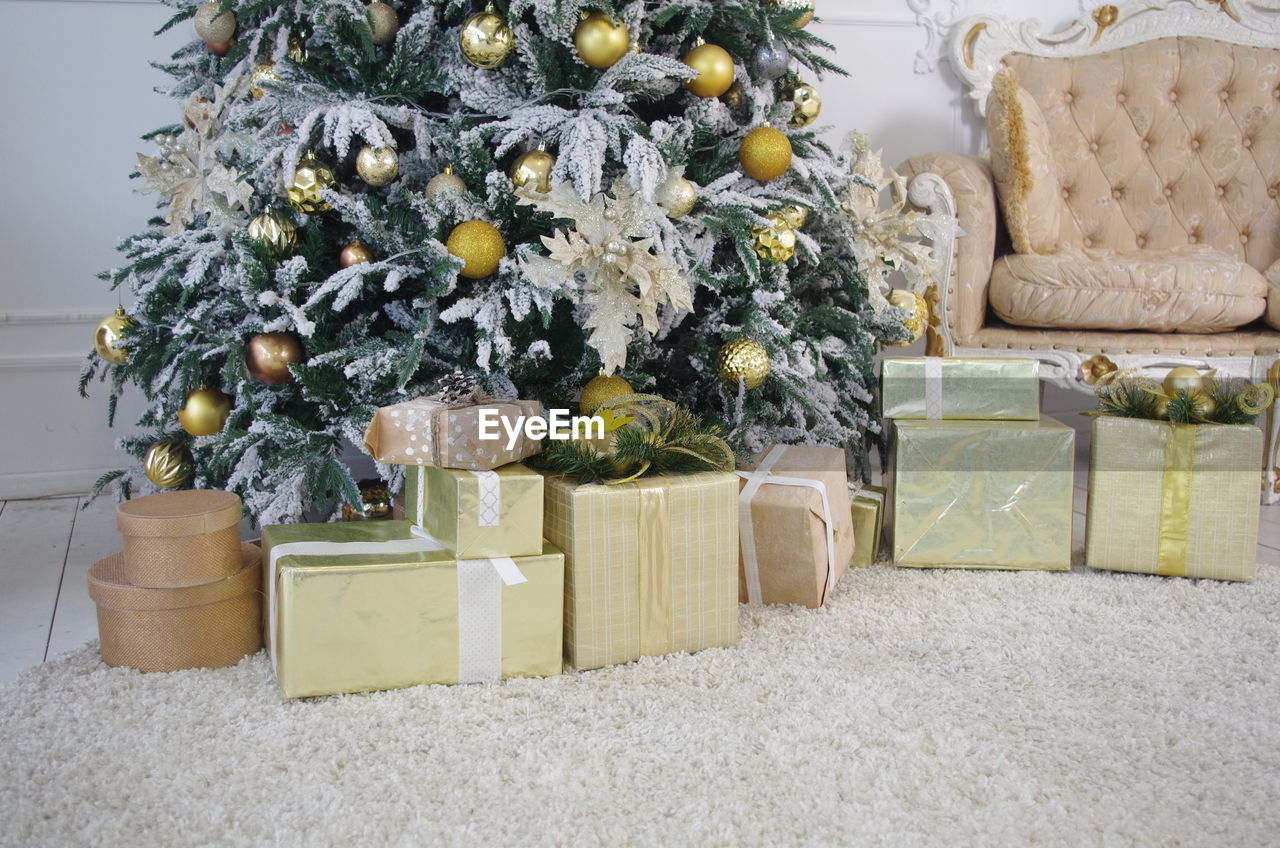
column 1179, row 500
column 431, row 431
column 867, row 508
column 651, row 566
column 478, row 513
column 982, row 494
column 957, row 388
column 795, row 524
column 362, row 606
column 174, row 539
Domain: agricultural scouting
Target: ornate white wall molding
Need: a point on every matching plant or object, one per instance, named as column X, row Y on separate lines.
column 936, row 19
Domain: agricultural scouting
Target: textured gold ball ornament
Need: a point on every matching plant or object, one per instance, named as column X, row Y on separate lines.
column 917, row 310
column 601, row 389
column 385, row 23
column 765, row 153
column 204, row 411
column 262, row 72
column 678, row 197
column 309, row 178
column 375, row 503
column 600, row 40
column 356, row 253
column 485, row 39
column 715, row 70
column 807, row 102
column 377, row 166
column 298, row 50
column 168, row 464
column 275, row 232
column 479, row 245
column 743, row 360
column 1187, row 379
column 795, row 215
column 269, row 355
column 109, row 333
column 776, row 242
column 444, row 181
column 213, row 27
column 534, row 168
column 805, row 6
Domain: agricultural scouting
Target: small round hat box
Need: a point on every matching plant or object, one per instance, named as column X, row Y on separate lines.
column 174, row 539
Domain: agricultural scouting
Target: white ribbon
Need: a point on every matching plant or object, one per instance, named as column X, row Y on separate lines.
column 489, row 511
column 746, row 528
column 933, row 388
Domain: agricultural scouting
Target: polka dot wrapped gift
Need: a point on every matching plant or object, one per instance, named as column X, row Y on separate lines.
column 446, row 433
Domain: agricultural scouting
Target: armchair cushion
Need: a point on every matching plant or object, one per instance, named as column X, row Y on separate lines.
column 1022, row 163
column 1191, row 289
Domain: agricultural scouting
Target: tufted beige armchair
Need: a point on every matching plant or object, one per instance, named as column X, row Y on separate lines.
column 1145, row 230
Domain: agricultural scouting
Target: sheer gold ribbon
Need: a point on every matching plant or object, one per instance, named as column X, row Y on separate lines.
column 654, row 536
column 1175, row 500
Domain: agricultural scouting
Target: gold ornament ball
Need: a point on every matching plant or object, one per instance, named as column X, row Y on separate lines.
column 678, row 197
column 533, row 168
column 213, row 27
column 601, row 41
column 377, row 166
column 356, row 253
column 776, row 242
column 917, row 310
column 204, row 412
column 168, row 464
column 765, row 153
column 375, row 503
column 309, row 178
column 804, row 6
column 733, row 98
column 601, row 389
column 485, row 40
column 385, row 23
column 795, row 215
column 1185, row 378
column 444, row 181
column 275, row 232
column 715, row 70
column 269, row 355
column 743, row 360
column 1205, row 404
column 606, row 445
column 1162, row 407
column 263, row 72
column 109, row 333
column 298, row 50
column 479, row 245
column 807, row 102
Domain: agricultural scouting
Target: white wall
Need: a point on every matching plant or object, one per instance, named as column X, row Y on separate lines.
column 78, row 93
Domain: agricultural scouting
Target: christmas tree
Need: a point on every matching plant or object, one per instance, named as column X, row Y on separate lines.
column 364, row 197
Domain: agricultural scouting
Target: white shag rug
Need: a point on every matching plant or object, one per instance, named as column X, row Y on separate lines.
column 919, row 708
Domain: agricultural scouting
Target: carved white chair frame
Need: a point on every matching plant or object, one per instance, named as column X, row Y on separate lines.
column 977, row 48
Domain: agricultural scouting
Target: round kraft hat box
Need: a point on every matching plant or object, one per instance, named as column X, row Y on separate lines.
column 209, row 625
column 174, row 539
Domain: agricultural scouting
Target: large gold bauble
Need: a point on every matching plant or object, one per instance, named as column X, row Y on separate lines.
column 776, row 242
column 678, row 196
column 262, row 72
column 917, row 309
column 356, row 253
column 1184, row 378
column 375, row 503
column 385, row 23
column 204, row 412
column 309, row 178
column 765, row 153
column 377, row 166
column 601, row 41
column 109, row 333
column 743, row 360
column 168, row 464
column 534, row 168
column 269, row 355
column 805, row 6
column 275, row 232
column 807, row 102
column 485, row 39
column 479, row 245
column 444, row 181
column 212, row 27
column 601, row 389
column 715, row 70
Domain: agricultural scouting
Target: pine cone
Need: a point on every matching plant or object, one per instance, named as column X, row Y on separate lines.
column 458, row 388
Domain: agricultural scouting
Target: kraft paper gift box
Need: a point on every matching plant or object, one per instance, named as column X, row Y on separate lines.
column 982, row 494
column 478, row 513
column 1176, row 500
column 959, row 388
column 429, row 431
column 795, row 524
column 867, row 506
column 651, row 566
column 363, row 606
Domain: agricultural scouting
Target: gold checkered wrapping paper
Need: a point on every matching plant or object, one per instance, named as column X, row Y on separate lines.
column 1126, row 488
column 596, row 527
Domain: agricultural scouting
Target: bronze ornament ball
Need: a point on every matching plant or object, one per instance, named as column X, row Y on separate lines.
column 356, row 253
column 269, row 355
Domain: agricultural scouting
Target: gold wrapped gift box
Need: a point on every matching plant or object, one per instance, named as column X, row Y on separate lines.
column 982, row 494
column 478, row 513
column 651, row 566
column 960, row 388
column 867, row 506
column 1177, row 500
column 391, row 616
column 427, row 431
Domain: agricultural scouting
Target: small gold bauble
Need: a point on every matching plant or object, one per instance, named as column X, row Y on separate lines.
column 479, row 245
column 1205, row 404
column 807, row 102
column 204, row 412
column 269, row 355
column 601, row 389
column 168, row 464
column 715, row 70
column 485, row 39
column 917, row 309
column 356, row 253
column 375, row 503
column 446, row 180
column 795, row 215
column 600, row 40
column 385, row 23
column 678, row 196
column 606, row 445
column 274, row 231
column 263, row 72
column 776, row 242
column 377, row 166
column 806, row 7
column 213, row 25
column 743, row 360
column 534, row 168
column 298, row 50
column 734, row 98
column 109, row 333
column 765, row 153
column 1162, row 406
column 309, row 178
column 1187, row 379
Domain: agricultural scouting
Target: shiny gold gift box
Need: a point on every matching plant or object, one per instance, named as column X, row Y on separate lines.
column 357, row 622
column 982, row 494
column 478, row 513
column 1177, row 500
column 867, row 506
column 963, row 388
column 651, row 566
column 428, row 431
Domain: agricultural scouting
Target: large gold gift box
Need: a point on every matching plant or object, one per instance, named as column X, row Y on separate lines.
column 790, row 511
column 651, row 566
column 960, row 388
column 478, row 513
column 1177, row 500
column 867, row 505
column 428, row 431
column 363, row 606
column 982, row 494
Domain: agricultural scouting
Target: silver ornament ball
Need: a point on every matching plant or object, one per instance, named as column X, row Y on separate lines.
column 771, row 60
